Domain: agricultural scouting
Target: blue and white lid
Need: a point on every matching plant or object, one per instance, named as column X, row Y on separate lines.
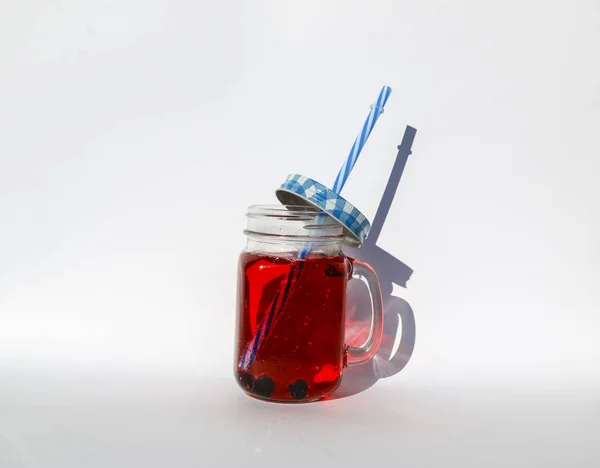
column 300, row 190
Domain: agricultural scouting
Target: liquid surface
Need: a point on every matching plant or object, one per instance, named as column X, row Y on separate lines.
column 290, row 325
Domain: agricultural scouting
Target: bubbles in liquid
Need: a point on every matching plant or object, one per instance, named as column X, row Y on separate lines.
column 302, row 353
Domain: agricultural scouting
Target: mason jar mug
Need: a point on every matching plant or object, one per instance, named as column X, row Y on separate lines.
column 292, row 286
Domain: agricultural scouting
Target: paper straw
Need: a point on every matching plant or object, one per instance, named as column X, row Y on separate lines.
column 275, row 308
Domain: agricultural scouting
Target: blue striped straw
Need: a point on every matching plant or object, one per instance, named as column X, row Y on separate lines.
column 361, row 139
column 275, row 308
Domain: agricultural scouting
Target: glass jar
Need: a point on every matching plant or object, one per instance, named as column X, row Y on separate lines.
column 292, row 283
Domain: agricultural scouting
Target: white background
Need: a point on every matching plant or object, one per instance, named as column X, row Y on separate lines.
column 133, row 134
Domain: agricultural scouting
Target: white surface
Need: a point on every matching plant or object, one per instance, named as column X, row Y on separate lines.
column 133, row 135
column 169, row 419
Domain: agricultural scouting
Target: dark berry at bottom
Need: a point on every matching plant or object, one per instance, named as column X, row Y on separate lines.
column 264, row 386
column 298, row 389
column 245, row 380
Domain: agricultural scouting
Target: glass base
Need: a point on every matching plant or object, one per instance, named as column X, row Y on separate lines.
column 266, row 389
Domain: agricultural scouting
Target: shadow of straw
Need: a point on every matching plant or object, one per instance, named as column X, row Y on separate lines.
column 399, row 317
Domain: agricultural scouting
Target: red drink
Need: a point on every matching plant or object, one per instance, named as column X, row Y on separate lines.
column 302, row 354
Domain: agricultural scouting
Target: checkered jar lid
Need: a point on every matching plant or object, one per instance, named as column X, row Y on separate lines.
column 300, row 190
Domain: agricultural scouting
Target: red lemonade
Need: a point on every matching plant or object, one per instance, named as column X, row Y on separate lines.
column 301, row 352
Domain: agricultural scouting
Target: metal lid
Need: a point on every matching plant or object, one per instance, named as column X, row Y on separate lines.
column 300, row 190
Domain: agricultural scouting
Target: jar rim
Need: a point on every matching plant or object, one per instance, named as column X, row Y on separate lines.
column 292, row 213
column 293, row 238
column 306, row 223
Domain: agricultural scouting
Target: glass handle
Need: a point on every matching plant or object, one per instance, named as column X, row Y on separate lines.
column 360, row 354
